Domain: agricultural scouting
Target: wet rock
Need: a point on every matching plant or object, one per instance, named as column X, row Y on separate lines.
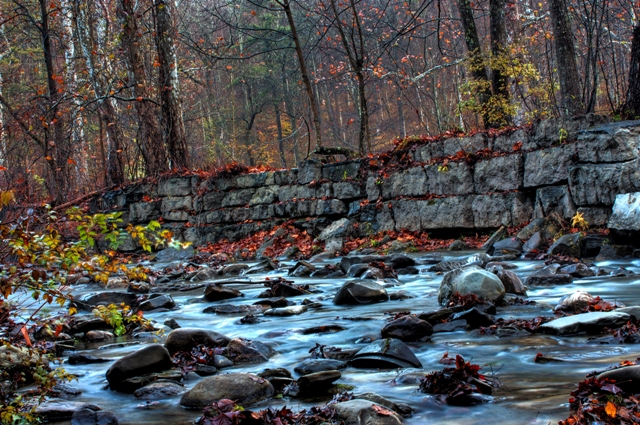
column 590, row 323
column 400, row 261
column 263, row 266
column 184, row 339
column 360, row 292
column 534, row 243
column 576, row 302
column 284, row 289
column 171, row 323
column 153, row 358
column 83, row 324
column 158, row 390
column 451, row 326
column 407, row 328
column 99, row 336
column 592, row 244
column 244, row 388
column 437, row 316
column 510, row 280
column 577, row 270
column 446, row 266
column 279, row 378
column 474, row 318
column 363, row 412
column 136, row 382
column 347, row 262
column 570, row 245
column 221, row 362
column 506, row 246
column 401, row 408
column 205, row 273
column 215, row 292
column 275, row 302
column 175, row 254
column 154, row 303
column 323, row 329
column 471, row 280
column 234, row 269
column 236, row 309
column 388, row 353
column 60, row 410
column 286, row 311
column 90, row 301
column 244, row 351
column 301, row 268
column 318, row 382
column 548, row 276
column 408, row 270
column 65, row 392
column 334, row 234
column 631, row 310
column 139, row 287
column 613, row 252
column 400, row 295
column 89, row 417
column 318, row 365
column 458, row 246
column 205, row 370
column 626, row 213
column 627, row 378
column 535, row 226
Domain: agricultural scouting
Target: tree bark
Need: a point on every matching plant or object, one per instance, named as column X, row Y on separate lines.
column 169, row 87
column 631, row 107
column 283, row 159
column 571, row 99
column 286, row 6
column 476, row 63
column 149, row 137
column 499, row 51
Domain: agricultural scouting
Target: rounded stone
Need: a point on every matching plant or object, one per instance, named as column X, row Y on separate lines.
column 360, row 292
column 244, row 388
column 471, row 280
column 150, row 359
column 184, row 339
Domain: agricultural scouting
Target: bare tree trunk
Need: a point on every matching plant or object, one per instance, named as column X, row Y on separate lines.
column 477, row 66
column 499, row 81
column 149, row 137
column 286, row 6
column 169, row 86
column 631, row 107
column 283, row 159
column 571, row 101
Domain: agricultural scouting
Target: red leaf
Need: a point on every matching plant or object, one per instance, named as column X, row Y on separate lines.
column 382, row 411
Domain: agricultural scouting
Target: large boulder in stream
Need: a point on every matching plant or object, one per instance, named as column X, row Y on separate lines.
column 243, row 388
column 471, row 280
column 590, row 323
column 388, row 353
column 150, row 359
column 184, row 339
column 360, row 292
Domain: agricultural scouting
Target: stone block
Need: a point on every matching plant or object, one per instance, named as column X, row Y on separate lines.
column 506, row 142
column 595, row 216
column 433, row 214
column 265, row 195
column 287, row 193
column 410, row 182
column 341, row 171
column 238, row 198
column 598, row 184
column 177, row 186
column 284, row 177
column 309, row 170
column 113, row 200
column 548, row 166
column 498, row 174
column 347, row 190
column 373, row 188
column 261, row 212
column 501, row 209
column 456, row 180
column 208, row 201
column 176, row 216
column 256, row 180
column 178, row 203
column 324, row 190
column 144, row 211
column 614, row 142
column 300, row 209
column 330, row 207
column 469, row 144
column 239, row 215
column 554, row 199
column 555, row 130
column 429, row 151
column 626, row 212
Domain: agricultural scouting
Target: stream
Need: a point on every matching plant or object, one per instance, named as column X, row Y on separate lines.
column 531, row 393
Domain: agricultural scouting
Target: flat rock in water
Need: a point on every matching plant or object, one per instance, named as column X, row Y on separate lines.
column 364, row 412
column 318, row 381
column 91, row 301
column 386, row 353
column 452, row 326
column 158, row 390
column 286, row 311
column 215, row 292
column 318, row 365
column 360, row 292
column 162, row 301
column 150, row 359
column 60, row 410
column 590, row 323
column 545, row 277
column 245, row 351
column 184, row 339
column 244, row 388
column 175, row 254
column 407, row 328
column 323, row 329
column 236, row 309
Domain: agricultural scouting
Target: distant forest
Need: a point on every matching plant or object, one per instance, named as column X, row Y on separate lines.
column 95, row 93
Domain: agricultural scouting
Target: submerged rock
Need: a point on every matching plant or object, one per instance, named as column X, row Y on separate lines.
column 318, row 365
column 158, row 390
column 386, row 353
column 590, row 323
column 407, row 328
column 243, row 388
column 360, row 292
column 364, row 412
column 215, row 292
column 184, row 339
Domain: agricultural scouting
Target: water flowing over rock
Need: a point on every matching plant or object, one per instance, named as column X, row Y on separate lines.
column 590, row 323
column 471, row 280
column 385, row 353
column 244, row 388
column 184, row 339
column 360, row 292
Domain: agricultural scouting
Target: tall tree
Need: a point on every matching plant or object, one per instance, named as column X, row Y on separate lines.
column 631, row 107
column 571, row 97
column 169, row 87
column 500, row 54
column 149, row 136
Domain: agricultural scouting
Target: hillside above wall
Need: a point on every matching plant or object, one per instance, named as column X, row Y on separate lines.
column 446, row 185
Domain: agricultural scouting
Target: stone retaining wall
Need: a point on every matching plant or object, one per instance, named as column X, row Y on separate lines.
column 557, row 166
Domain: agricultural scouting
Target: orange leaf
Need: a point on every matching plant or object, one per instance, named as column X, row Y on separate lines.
column 70, row 161
column 3, row 168
column 58, row 330
column 25, row 334
column 382, row 411
column 611, row 410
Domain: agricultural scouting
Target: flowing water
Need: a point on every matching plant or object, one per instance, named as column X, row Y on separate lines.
column 531, row 393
